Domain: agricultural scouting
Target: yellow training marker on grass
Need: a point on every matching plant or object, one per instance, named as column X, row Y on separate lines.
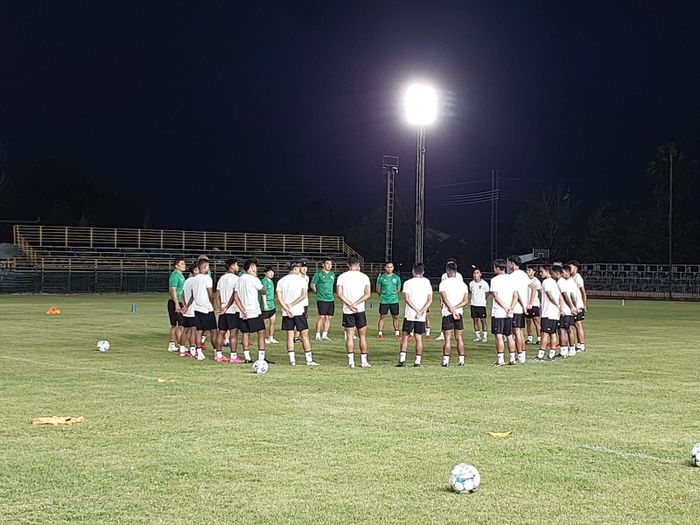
column 500, row 434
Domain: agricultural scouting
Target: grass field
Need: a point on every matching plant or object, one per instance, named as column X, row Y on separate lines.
column 601, row 438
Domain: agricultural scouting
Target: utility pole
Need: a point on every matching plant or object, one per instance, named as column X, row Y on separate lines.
column 390, row 168
column 670, row 224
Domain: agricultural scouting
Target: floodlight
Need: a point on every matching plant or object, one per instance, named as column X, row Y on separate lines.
column 421, row 104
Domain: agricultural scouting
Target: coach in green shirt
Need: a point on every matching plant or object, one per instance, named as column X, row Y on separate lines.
column 323, row 284
column 388, row 288
column 176, row 283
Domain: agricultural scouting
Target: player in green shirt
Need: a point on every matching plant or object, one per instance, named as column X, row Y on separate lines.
column 388, row 288
column 267, row 305
column 175, row 285
column 323, row 284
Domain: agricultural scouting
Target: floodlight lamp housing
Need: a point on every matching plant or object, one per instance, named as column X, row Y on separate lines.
column 421, row 105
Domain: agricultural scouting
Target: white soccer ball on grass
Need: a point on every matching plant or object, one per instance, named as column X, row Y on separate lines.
column 464, row 478
column 260, row 366
column 695, row 455
column 103, row 345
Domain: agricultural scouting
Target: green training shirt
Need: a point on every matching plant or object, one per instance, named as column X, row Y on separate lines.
column 324, row 282
column 389, row 286
column 269, row 294
column 177, row 280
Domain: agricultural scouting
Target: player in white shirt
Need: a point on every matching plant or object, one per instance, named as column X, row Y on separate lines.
column 229, row 317
column 566, row 320
column 569, row 291
column 303, row 269
column 551, row 312
column 532, row 317
column 454, row 295
column 203, row 304
column 505, row 296
column 581, row 304
column 292, row 290
column 246, row 295
column 189, row 332
column 521, row 282
column 479, row 288
column 444, row 276
column 354, row 288
column 418, row 296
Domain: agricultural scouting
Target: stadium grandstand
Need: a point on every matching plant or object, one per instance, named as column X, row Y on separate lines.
column 73, row 259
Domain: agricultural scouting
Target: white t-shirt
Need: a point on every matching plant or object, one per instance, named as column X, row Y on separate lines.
column 291, row 286
column 226, row 286
column 201, row 295
column 535, row 287
column 521, row 282
column 479, row 291
column 247, row 289
column 418, row 289
column 305, row 302
column 504, row 286
column 187, row 295
column 565, row 286
column 454, row 289
column 550, row 310
column 578, row 280
column 354, row 283
column 457, row 275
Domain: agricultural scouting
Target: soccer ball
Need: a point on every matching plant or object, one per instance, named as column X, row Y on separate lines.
column 464, row 478
column 103, row 345
column 260, row 366
column 695, row 455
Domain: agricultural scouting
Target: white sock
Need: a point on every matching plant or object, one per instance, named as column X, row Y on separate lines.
column 418, row 358
column 183, row 349
column 564, row 350
column 199, row 352
column 218, row 354
column 351, row 359
column 521, row 357
column 309, row 356
column 445, row 359
column 227, row 342
column 460, row 359
column 583, row 346
column 501, row 359
column 529, row 339
column 325, row 334
column 246, row 354
column 402, row 357
column 511, row 357
column 483, row 336
column 193, row 350
column 397, row 333
column 427, row 332
column 204, row 339
column 363, row 358
column 261, row 355
column 540, row 354
column 292, row 357
column 318, row 335
column 234, row 355
column 552, row 353
column 478, row 335
column 539, row 339
column 379, row 333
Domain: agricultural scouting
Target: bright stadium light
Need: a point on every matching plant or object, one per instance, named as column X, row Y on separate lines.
column 421, row 110
column 421, row 104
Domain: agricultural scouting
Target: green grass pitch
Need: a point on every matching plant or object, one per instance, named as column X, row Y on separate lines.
column 603, row 438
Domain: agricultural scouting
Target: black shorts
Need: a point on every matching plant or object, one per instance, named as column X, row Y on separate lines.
column 450, row 323
column 326, row 308
column 229, row 321
column 252, row 325
column 205, row 321
column 566, row 321
column 358, row 320
column 386, row 308
column 502, row 326
column 175, row 318
column 580, row 316
column 268, row 313
column 518, row 320
column 478, row 312
column 416, row 327
column 298, row 322
column 188, row 322
column 549, row 326
column 533, row 312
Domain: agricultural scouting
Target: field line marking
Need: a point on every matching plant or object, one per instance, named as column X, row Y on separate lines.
column 625, row 454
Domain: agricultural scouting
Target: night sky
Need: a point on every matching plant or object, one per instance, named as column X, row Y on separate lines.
column 271, row 105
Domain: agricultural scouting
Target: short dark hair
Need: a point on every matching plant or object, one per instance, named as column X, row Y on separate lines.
column 178, row 259
column 566, row 267
column 303, row 264
column 193, row 266
column 515, row 259
column 353, row 260
column 269, row 269
column 547, row 268
column 419, row 268
column 451, row 260
column 556, row 268
column 327, row 259
column 500, row 264
column 249, row 263
column 202, row 263
column 388, row 262
column 230, row 262
column 574, row 262
column 451, row 267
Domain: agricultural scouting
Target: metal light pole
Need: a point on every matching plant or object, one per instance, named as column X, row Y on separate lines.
column 390, row 168
column 670, row 225
column 420, row 194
